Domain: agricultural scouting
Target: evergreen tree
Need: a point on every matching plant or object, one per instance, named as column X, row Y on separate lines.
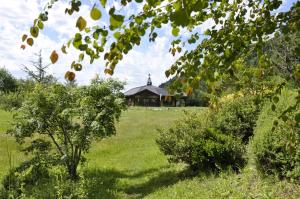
column 39, row 71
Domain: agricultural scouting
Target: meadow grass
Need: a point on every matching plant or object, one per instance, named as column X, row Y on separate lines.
column 9, row 150
column 5, row 120
column 130, row 165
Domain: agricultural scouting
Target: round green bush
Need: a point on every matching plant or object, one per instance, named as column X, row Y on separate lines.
column 238, row 117
column 217, row 151
column 192, row 141
column 276, row 142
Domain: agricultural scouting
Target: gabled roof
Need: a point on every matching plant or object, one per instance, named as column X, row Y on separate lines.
column 153, row 89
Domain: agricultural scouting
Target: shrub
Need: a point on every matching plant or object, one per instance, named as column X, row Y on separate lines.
column 24, row 177
column 34, row 179
column 276, row 143
column 12, row 100
column 220, row 151
column 237, row 117
column 192, row 141
column 63, row 187
column 70, row 118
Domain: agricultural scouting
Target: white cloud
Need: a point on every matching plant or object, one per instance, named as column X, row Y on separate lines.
column 14, row 21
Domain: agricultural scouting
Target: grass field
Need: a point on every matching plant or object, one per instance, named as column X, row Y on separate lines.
column 8, row 147
column 5, row 119
column 130, row 165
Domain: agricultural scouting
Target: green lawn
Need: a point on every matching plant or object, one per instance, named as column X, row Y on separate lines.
column 130, row 165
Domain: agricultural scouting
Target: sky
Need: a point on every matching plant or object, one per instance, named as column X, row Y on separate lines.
column 16, row 17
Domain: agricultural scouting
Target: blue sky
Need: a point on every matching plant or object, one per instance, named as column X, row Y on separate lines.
column 17, row 16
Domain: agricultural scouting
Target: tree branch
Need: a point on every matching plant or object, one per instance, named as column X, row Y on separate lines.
column 56, row 144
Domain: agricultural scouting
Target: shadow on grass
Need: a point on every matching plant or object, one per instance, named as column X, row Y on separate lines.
column 108, row 184
column 105, row 183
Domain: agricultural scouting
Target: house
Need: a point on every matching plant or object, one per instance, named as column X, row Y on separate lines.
column 150, row 95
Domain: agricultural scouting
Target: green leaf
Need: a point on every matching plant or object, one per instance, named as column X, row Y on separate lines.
column 69, row 43
column 81, row 57
column 40, row 25
column 227, row 52
column 116, row 21
column 87, row 39
column 87, row 30
column 76, row 44
column 24, row 37
column 103, row 3
column 180, row 18
column 153, row 2
column 95, row 13
column 73, row 63
column 179, row 49
column 167, row 73
column 96, row 35
column 77, row 67
column 175, row 31
column 117, row 35
column 139, row 20
column 83, row 47
column 177, row 5
column 104, row 33
column 43, row 17
column 77, row 37
column 81, row 23
column 34, row 31
column 63, row 49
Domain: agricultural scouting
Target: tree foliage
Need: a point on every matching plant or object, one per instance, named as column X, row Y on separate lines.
column 284, row 60
column 69, row 118
column 199, row 96
column 238, row 24
column 276, row 143
column 7, row 81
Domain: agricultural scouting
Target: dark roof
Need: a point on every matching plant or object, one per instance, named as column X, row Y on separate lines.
column 153, row 89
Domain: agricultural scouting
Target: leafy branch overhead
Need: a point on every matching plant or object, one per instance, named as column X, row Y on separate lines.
column 237, row 26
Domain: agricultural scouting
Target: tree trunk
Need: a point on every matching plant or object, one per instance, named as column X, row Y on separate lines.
column 72, row 170
column 73, row 162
